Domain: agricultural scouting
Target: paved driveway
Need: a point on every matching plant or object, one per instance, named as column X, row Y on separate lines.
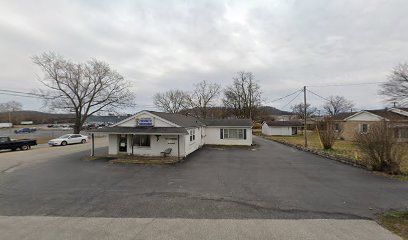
column 273, row 181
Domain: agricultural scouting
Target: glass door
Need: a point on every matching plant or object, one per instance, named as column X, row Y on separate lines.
column 123, row 143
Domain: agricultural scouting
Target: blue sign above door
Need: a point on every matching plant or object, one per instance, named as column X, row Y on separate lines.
column 144, row 122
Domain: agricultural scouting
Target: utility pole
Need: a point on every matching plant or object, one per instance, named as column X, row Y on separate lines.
column 305, row 116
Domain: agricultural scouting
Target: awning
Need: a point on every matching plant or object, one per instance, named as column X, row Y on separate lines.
column 142, row 130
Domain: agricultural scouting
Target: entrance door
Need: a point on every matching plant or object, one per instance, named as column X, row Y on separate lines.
column 123, row 143
column 294, row 130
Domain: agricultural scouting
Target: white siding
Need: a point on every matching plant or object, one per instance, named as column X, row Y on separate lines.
column 191, row 146
column 276, row 130
column 281, row 131
column 266, row 129
column 157, row 146
column 157, row 122
column 365, row 116
column 113, row 144
column 213, row 137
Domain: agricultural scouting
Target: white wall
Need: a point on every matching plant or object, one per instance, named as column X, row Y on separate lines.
column 281, row 130
column 365, row 116
column 113, row 144
column 157, row 122
column 276, row 130
column 195, row 144
column 156, row 147
column 266, row 129
column 213, row 137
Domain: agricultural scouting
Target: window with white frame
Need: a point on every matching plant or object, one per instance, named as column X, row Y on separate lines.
column 233, row 133
column 192, row 135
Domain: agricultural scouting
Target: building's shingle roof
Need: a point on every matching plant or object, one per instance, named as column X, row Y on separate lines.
column 284, row 123
column 228, row 122
column 141, row 130
column 179, row 119
column 344, row 115
column 392, row 116
column 403, row 109
column 105, row 119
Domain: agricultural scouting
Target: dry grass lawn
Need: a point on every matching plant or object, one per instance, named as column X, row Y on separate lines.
column 396, row 222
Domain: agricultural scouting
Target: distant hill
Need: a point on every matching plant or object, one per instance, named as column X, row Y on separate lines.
column 37, row 117
column 274, row 111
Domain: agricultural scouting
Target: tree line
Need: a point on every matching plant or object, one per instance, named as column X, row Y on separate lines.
column 241, row 99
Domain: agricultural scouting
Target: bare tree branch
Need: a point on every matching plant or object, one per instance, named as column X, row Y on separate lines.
column 172, row 101
column 243, row 96
column 396, row 89
column 82, row 88
column 336, row 105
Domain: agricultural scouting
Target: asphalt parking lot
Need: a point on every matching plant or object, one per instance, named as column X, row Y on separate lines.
column 270, row 182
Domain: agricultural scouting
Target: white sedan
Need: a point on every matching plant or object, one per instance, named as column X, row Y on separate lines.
column 68, row 139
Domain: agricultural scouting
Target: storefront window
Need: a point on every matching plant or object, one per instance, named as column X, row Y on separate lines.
column 141, row 140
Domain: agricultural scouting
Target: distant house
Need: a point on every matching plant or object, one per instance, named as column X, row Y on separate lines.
column 281, row 128
column 359, row 122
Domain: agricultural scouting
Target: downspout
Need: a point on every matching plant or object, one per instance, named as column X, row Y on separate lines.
column 178, row 147
column 133, row 137
column 93, row 145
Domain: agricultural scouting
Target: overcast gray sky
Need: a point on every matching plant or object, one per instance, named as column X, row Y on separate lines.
column 159, row 45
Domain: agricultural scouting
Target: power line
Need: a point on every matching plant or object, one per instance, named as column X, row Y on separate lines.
column 23, row 94
column 278, row 99
column 18, row 95
column 318, row 95
column 299, row 92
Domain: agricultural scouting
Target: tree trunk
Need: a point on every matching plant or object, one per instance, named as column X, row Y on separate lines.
column 77, row 125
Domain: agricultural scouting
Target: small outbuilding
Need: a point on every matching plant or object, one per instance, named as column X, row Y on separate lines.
column 281, row 128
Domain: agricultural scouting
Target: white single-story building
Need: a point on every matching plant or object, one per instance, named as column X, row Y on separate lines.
column 149, row 133
column 281, row 128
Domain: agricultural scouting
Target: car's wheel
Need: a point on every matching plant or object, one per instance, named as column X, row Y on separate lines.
column 13, row 149
column 83, row 141
column 63, row 143
column 24, row 147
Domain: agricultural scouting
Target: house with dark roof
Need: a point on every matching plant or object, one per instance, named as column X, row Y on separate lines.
column 281, row 128
column 359, row 122
column 150, row 133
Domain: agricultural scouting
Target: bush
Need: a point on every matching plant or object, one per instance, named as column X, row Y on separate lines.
column 326, row 132
column 381, row 151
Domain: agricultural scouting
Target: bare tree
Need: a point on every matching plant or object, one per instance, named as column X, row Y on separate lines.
column 336, row 105
column 299, row 110
column 243, row 96
column 326, row 132
column 11, row 106
column 396, row 88
column 204, row 96
column 380, row 148
column 82, row 88
column 172, row 101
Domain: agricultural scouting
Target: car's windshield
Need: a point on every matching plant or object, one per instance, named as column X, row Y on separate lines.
column 65, row 136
